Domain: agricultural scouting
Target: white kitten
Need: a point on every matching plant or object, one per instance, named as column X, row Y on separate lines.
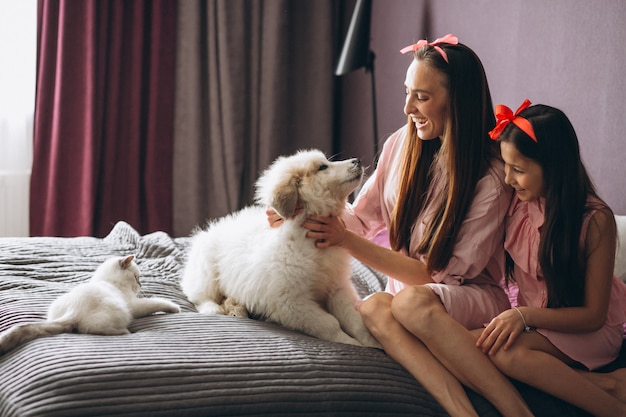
column 104, row 305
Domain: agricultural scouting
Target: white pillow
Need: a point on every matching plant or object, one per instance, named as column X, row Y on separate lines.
column 620, row 256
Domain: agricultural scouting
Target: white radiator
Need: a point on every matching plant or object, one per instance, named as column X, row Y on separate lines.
column 16, row 156
column 14, row 197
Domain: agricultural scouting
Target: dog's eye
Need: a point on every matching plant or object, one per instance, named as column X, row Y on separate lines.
column 323, row 167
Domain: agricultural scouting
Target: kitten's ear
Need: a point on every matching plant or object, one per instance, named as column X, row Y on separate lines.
column 125, row 262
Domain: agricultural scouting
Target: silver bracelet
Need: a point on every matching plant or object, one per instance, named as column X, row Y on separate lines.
column 526, row 328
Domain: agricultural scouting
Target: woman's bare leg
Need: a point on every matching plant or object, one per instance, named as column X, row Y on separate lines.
column 535, row 361
column 420, row 311
column 407, row 350
column 435, row 372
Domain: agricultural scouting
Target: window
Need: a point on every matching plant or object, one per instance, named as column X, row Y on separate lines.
column 18, row 47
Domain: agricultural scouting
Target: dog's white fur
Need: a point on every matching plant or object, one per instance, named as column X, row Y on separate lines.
column 278, row 273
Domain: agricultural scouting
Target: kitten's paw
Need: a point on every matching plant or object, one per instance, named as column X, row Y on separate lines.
column 153, row 305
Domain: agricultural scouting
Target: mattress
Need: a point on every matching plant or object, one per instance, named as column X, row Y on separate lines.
column 189, row 364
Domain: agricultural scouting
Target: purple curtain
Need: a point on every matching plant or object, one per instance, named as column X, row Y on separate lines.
column 104, row 111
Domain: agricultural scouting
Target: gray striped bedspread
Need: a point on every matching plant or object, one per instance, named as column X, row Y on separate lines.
column 189, row 364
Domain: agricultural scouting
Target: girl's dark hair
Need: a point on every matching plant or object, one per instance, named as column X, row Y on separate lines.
column 567, row 187
column 465, row 152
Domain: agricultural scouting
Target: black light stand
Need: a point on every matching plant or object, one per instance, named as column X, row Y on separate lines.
column 356, row 53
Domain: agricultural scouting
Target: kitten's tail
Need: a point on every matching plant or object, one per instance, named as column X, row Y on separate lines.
column 23, row 333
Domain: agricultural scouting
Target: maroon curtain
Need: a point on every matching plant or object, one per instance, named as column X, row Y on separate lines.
column 103, row 134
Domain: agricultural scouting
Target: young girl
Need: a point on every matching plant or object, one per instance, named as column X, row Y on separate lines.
column 439, row 190
column 560, row 242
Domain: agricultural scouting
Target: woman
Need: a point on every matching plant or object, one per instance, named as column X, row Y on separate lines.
column 439, row 190
column 560, row 242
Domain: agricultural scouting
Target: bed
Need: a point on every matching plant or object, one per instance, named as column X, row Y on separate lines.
column 189, row 364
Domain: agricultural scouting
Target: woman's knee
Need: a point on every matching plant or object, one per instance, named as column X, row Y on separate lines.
column 416, row 304
column 376, row 310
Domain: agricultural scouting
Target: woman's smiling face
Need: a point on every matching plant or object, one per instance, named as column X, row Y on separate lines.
column 426, row 99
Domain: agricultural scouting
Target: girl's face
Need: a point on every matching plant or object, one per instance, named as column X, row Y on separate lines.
column 426, row 99
column 523, row 174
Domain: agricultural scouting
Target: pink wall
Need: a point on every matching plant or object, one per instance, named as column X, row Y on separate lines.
column 568, row 54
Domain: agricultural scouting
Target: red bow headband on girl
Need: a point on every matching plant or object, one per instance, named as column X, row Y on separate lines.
column 504, row 116
column 449, row 38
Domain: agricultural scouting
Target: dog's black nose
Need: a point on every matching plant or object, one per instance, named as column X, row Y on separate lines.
column 356, row 162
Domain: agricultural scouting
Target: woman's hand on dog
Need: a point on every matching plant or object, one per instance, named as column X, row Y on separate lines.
column 327, row 231
column 274, row 218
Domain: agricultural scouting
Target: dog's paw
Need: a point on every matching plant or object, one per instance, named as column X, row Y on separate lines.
column 231, row 308
column 210, row 307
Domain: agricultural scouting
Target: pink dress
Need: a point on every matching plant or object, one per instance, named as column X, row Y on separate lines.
column 592, row 350
column 469, row 287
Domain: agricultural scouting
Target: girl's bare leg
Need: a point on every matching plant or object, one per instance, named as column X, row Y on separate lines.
column 614, row 383
column 536, row 362
column 436, row 372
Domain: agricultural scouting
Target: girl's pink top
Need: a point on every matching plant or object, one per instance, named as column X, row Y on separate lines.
column 593, row 350
column 478, row 255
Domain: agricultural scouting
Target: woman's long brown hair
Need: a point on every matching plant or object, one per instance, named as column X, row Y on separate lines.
column 463, row 155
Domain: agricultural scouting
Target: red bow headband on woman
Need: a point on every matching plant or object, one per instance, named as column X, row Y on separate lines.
column 449, row 38
column 504, row 116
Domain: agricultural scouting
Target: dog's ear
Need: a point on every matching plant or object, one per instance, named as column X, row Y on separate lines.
column 285, row 196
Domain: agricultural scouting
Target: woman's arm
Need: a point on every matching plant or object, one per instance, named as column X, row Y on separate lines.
column 331, row 231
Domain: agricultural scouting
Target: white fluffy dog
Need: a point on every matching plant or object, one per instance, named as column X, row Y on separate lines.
column 278, row 273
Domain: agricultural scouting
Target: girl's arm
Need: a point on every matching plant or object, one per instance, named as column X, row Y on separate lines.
column 600, row 252
column 331, row 231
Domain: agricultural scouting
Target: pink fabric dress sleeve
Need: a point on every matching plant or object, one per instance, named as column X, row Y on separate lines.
column 523, row 223
column 478, row 253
